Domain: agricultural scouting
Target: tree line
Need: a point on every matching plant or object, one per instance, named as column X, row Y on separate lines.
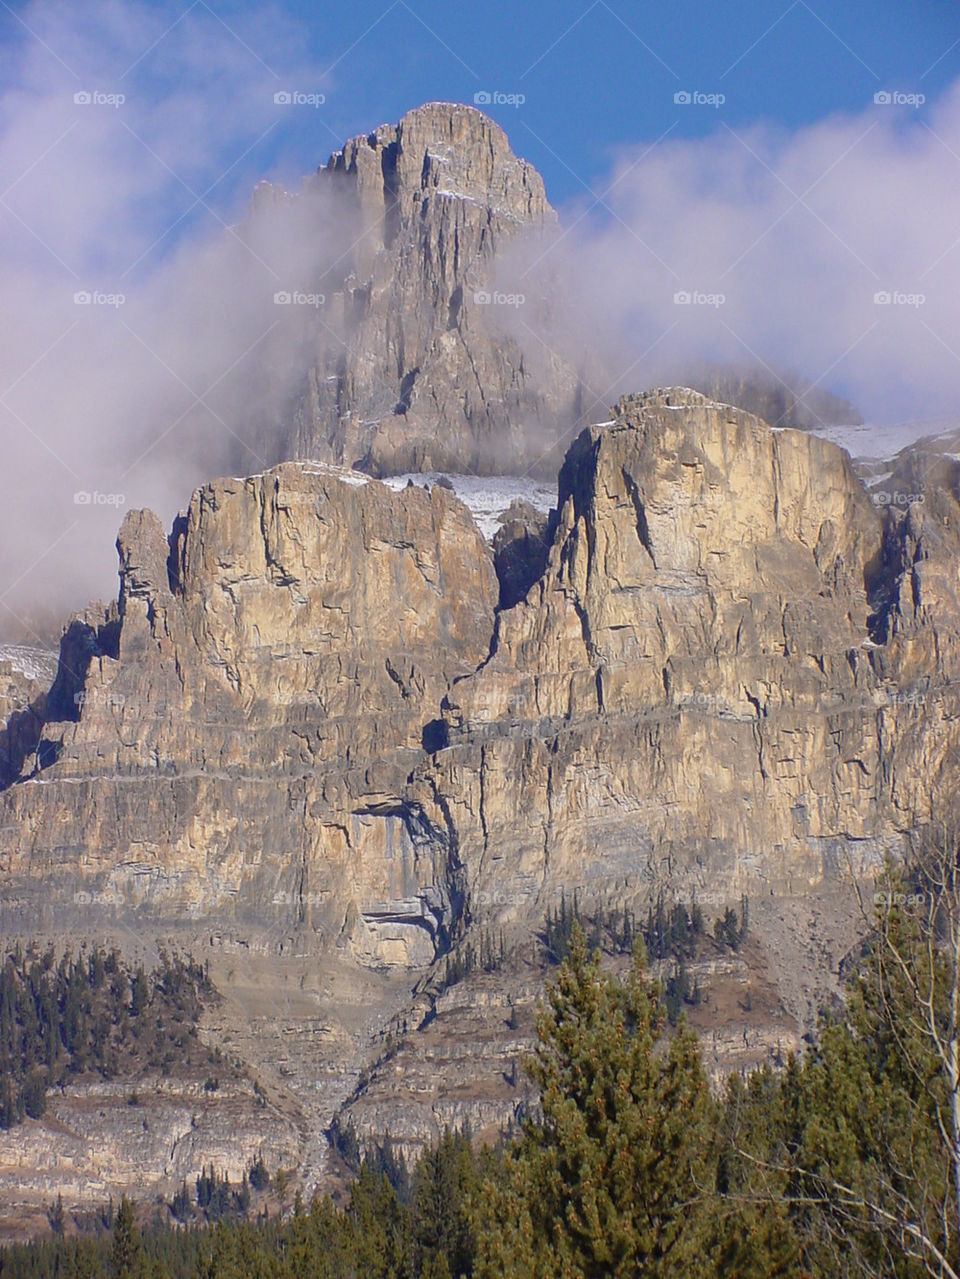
column 91, row 1013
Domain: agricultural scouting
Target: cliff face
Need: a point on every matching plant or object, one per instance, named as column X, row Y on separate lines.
column 413, row 369
column 244, row 728
column 694, row 697
column 732, row 675
column 307, row 734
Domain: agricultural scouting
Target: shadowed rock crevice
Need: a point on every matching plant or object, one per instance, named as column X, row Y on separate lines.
column 520, row 549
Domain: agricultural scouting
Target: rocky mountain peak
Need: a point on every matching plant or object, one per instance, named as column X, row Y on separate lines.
column 414, row 367
column 448, row 151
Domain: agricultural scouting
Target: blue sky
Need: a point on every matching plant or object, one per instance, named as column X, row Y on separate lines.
column 596, row 75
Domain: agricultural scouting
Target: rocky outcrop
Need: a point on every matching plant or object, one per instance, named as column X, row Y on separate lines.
column 315, row 732
column 414, row 370
column 694, row 698
column 243, row 730
column 734, row 674
column 141, row 1137
column 433, row 343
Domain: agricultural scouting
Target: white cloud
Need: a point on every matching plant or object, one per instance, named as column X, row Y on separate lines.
column 99, row 396
column 797, row 233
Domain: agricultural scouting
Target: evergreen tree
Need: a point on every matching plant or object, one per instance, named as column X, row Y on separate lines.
column 617, row 1179
column 126, row 1252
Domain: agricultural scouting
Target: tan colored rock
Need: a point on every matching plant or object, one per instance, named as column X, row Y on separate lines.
column 691, row 698
column 304, row 738
column 243, row 746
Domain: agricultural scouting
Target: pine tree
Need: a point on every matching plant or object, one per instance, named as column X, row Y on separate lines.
column 617, row 1179
column 126, row 1252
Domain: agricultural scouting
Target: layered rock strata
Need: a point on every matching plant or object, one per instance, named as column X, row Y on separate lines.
column 314, row 731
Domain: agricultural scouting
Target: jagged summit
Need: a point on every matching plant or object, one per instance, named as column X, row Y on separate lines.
column 453, row 150
column 414, row 365
column 431, row 352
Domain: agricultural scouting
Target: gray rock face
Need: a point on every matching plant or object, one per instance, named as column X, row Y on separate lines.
column 413, row 370
column 520, row 549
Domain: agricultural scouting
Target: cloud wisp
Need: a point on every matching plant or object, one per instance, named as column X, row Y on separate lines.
column 832, row 250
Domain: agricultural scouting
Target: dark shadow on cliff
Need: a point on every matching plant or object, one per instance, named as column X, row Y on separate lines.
column 25, row 732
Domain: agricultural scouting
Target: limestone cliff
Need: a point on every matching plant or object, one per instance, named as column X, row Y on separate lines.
column 734, row 673
column 244, row 729
column 413, row 370
column 316, row 730
column 695, row 696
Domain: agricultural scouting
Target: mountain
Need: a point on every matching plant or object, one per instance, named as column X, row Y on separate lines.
column 429, row 356
column 414, row 370
column 309, row 745
column 357, row 745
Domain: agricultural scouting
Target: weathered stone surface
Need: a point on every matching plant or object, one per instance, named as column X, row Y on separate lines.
column 241, row 742
column 733, row 675
column 692, row 697
column 305, row 737
column 413, row 371
column 93, row 1144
